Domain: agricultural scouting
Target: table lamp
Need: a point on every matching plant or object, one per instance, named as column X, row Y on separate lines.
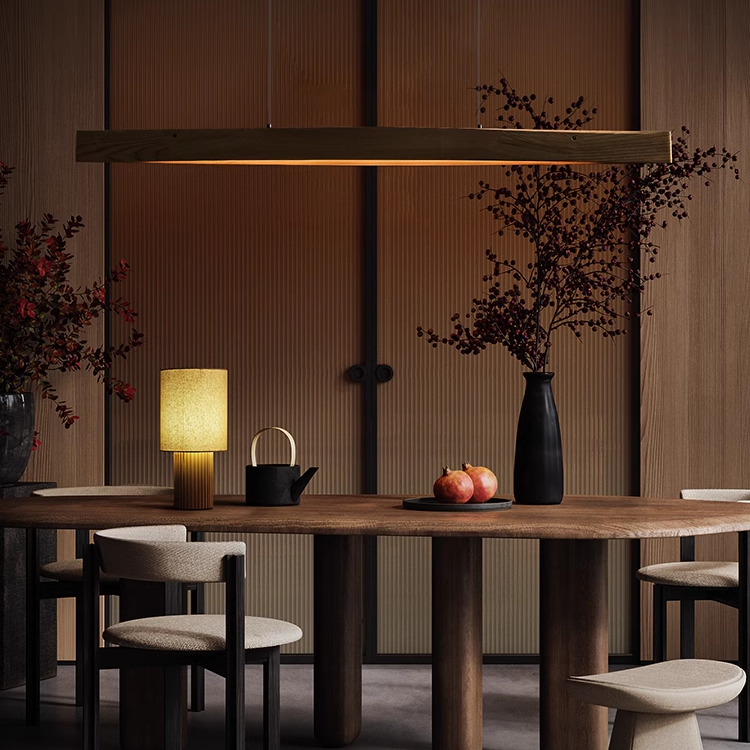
column 193, row 411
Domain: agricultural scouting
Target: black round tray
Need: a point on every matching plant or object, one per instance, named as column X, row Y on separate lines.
column 430, row 503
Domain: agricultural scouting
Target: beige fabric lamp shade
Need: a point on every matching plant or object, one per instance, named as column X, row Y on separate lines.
column 194, row 410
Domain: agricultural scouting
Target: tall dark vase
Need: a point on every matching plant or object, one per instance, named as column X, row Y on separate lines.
column 538, row 469
column 16, row 434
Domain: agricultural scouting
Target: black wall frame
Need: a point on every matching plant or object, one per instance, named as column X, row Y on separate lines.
column 370, row 391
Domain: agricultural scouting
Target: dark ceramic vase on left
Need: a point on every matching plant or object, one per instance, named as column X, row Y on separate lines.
column 16, row 434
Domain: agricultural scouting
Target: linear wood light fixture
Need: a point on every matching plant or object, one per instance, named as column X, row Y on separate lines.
column 374, row 146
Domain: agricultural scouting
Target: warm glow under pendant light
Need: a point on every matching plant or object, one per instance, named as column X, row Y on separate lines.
column 375, row 146
column 193, row 424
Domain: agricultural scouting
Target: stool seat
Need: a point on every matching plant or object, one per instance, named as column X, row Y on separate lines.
column 703, row 574
column 70, row 570
column 668, row 687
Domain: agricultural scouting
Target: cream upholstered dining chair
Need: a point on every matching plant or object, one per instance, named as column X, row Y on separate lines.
column 688, row 581
column 221, row 643
column 656, row 704
column 64, row 579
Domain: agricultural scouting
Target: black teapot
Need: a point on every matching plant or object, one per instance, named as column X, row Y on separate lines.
column 275, row 484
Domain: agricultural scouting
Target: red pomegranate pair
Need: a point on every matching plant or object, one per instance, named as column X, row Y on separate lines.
column 475, row 484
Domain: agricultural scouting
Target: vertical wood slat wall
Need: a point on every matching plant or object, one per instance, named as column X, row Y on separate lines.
column 256, row 270
column 674, row 353
column 443, row 408
column 694, row 361
column 52, row 85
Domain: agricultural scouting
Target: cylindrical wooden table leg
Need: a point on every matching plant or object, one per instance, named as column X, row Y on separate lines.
column 573, row 640
column 153, row 705
column 338, row 639
column 456, row 643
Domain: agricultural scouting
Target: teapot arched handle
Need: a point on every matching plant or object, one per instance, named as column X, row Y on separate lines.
column 292, row 444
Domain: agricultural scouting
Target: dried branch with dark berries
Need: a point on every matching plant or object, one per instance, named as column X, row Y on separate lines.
column 43, row 319
column 590, row 232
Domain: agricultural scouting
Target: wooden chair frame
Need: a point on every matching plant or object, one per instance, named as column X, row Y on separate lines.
column 687, row 596
column 38, row 590
column 737, row 597
column 229, row 664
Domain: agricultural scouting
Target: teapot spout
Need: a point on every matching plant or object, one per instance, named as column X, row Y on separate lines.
column 299, row 486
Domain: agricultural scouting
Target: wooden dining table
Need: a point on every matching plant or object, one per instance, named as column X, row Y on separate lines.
column 573, row 593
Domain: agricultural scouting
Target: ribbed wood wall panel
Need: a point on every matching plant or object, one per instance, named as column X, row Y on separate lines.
column 694, row 357
column 442, row 408
column 47, row 95
column 256, row 270
column 249, row 293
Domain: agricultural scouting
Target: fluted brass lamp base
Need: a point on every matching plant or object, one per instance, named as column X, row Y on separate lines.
column 194, row 480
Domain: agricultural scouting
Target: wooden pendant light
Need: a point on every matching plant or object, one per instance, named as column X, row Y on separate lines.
column 375, row 146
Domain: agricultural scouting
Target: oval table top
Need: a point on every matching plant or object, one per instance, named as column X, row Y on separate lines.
column 578, row 517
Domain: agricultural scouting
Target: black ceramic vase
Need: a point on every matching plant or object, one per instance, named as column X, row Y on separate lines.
column 538, row 469
column 16, row 434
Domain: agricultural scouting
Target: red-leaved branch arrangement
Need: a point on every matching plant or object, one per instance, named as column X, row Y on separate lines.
column 43, row 319
column 590, row 233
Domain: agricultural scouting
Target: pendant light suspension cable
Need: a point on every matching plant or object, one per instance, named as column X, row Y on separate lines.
column 372, row 145
column 269, row 63
column 479, row 63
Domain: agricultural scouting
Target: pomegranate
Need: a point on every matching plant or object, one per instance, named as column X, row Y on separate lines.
column 484, row 482
column 453, row 486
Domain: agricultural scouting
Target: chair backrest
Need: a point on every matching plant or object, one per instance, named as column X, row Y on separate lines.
column 122, row 489
column 726, row 496
column 161, row 553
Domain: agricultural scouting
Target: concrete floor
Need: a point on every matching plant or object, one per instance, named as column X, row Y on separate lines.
column 396, row 712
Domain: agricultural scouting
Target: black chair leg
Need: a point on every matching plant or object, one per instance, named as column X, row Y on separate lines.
column 173, row 697
column 197, row 674
column 235, row 709
column 33, row 655
column 744, row 634
column 79, row 650
column 272, row 701
column 88, row 626
column 235, row 653
column 687, row 629
column 660, row 624
column 197, row 607
column 107, row 615
column 197, row 688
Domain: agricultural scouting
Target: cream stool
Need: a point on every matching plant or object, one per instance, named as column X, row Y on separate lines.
column 656, row 704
